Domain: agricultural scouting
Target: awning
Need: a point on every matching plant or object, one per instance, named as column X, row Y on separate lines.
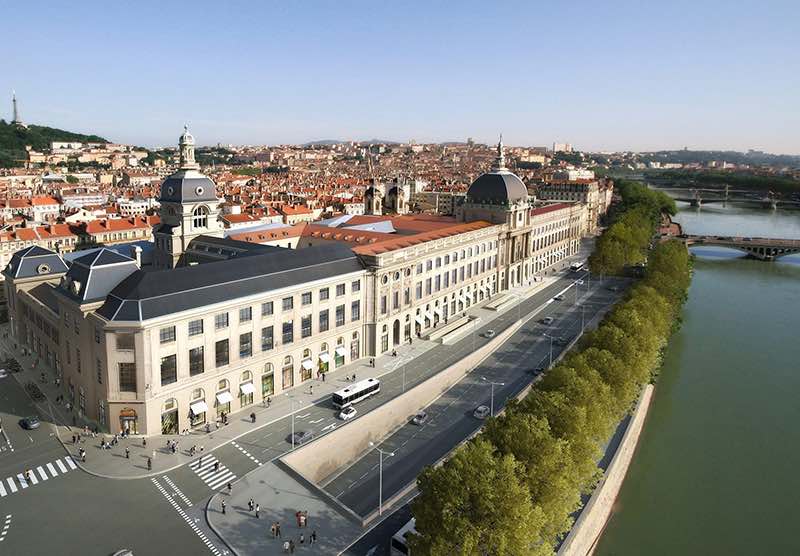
column 308, row 364
column 247, row 388
column 419, row 319
column 438, row 311
column 429, row 316
column 198, row 407
column 340, row 351
column 462, row 298
column 224, row 397
column 324, row 357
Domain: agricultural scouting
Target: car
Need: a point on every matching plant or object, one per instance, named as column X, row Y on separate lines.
column 559, row 297
column 547, row 320
column 30, row 423
column 579, row 282
column 481, row 412
column 613, row 288
column 538, row 370
column 747, row 239
column 420, row 418
column 300, row 437
column 347, row 413
column 123, row 552
column 489, row 333
column 560, row 341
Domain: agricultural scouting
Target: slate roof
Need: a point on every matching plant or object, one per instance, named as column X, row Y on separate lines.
column 497, row 188
column 34, row 261
column 188, row 186
column 91, row 277
column 147, row 295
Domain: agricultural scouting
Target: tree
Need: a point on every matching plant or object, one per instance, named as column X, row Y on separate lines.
column 476, row 503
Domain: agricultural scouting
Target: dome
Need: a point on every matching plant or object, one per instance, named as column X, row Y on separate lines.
column 187, row 186
column 187, row 138
column 497, row 188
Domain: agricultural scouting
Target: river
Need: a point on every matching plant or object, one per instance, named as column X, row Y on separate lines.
column 717, row 470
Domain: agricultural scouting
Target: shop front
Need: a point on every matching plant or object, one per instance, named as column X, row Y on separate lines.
column 246, row 391
column 129, row 421
column 268, row 384
column 169, row 417
column 305, row 369
column 324, row 362
column 198, row 410
column 224, row 400
column 340, row 354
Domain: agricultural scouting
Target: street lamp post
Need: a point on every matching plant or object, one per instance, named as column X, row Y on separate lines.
column 551, row 349
column 491, row 398
column 380, row 475
column 292, row 402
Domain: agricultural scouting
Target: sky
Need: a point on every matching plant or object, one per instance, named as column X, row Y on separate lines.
column 600, row 75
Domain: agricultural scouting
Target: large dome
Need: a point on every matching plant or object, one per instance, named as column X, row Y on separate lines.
column 497, row 188
column 187, row 186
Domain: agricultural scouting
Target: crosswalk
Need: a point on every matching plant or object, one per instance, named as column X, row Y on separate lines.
column 37, row 475
column 212, row 472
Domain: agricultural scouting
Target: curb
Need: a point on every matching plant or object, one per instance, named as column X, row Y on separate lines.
column 213, row 528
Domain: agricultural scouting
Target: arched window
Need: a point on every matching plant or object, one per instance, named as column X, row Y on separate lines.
column 198, row 394
column 306, row 353
column 200, row 217
column 223, row 385
column 268, row 369
column 247, row 376
column 324, row 347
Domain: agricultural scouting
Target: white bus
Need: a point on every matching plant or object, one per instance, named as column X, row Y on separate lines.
column 399, row 544
column 355, row 393
column 577, row 266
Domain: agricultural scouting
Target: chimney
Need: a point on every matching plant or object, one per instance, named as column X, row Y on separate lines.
column 137, row 254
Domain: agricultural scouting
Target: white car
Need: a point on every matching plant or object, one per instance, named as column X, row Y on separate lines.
column 347, row 413
column 481, row 412
column 489, row 334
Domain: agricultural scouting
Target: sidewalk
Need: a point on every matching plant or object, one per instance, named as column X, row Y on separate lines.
column 111, row 463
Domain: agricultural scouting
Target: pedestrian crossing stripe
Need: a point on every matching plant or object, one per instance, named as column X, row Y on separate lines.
column 214, row 478
column 18, row 482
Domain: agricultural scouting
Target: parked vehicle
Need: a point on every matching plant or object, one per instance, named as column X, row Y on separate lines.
column 420, row 418
column 489, row 333
column 30, row 423
column 300, row 437
column 559, row 297
column 481, row 412
column 547, row 320
column 347, row 413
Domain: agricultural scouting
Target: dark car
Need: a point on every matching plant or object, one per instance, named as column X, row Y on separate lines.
column 300, row 437
column 547, row 320
column 559, row 297
column 420, row 418
column 561, row 341
column 30, row 423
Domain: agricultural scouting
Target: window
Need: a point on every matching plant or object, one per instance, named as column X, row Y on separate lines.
column 428, row 282
column 384, row 305
column 437, row 283
column 339, row 290
column 323, row 321
column 196, row 361
column 78, row 359
column 407, row 296
column 124, row 342
column 324, row 294
column 305, row 326
column 195, row 327
column 169, row 370
column 267, row 338
column 266, row 309
column 305, row 299
column 288, row 332
column 245, row 314
column 99, row 372
column 245, row 345
column 200, row 217
column 395, row 300
column 355, row 310
column 222, row 353
column 127, row 377
column 340, row 315
column 221, row 321
column 355, row 286
column 428, row 265
column 438, row 262
column 419, row 290
column 419, row 268
column 167, row 334
column 288, row 303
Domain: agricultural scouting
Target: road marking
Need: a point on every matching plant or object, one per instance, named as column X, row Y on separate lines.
column 22, row 482
column 331, row 427
column 6, row 526
column 11, row 484
column 61, row 466
column 245, row 452
column 42, row 473
column 71, row 463
column 52, row 469
column 303, row 416
column 2, row 489
column 178, row 491
column 214, row 550
column 32, row 479
column 214, row 478
column 321, row 419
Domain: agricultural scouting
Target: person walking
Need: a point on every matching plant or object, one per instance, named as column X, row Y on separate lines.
column 144, row 443
column 258, row 510
column 291, row 546
column 149, row 464
column 313, row 538
column 230, row 487
column 272, row 529
column 253, row 417
column 323, row 377
column 311, row 389
column 127, row 453
column 278, row 529
column 302, row 539
column 223, row 506
column 250, row 504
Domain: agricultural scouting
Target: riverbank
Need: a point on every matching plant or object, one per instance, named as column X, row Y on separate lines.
column 588, row 528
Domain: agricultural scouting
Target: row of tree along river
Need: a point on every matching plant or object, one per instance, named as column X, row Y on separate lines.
column 716, row 470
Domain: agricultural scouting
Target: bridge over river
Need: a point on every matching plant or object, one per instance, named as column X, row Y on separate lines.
column 703, row 196
column 762, row 248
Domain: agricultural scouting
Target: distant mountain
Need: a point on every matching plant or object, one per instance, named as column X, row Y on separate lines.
column 328, row 142
column 13, row 140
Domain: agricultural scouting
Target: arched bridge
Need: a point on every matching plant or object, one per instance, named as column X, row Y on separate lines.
column 765, row 249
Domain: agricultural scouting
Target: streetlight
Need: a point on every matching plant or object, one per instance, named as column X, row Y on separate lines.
column 491, row 399
column 380, row 475
column 546, row 335
column 292, row 401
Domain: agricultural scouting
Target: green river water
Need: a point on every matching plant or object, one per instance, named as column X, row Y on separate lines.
column 717, row 469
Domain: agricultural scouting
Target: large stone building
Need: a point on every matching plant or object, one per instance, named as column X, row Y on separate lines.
column 227, row 322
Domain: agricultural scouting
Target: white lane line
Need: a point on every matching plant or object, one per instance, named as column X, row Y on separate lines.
column 303, row 416
column 32, row 478
column 317, row 421
column 11, row 484
column 2, row 489
column 185, row 517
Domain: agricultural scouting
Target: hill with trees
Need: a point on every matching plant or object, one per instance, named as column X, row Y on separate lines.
column 14, row 139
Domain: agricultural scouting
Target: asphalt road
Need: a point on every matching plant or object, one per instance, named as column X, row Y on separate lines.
column 450, row 418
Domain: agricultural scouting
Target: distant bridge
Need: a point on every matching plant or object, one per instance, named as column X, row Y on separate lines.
column 765, row 249
column 698, row 197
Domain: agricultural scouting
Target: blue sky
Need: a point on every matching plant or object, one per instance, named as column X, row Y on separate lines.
column 601, row 75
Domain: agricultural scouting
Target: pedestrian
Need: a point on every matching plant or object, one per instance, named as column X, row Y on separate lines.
column 149, row 464
column 311, row 389
column 354, row 374
column 223, row 506
column 286, row 546
column 258, row 510
column 127, row 453
column 216, row 466
column 230, row 487
column 302, row 539
column 144, row 443
column 313, row 538
column 269, row 401
column 291, row 546
column 202, row 448
column 83, row 457
column 154, row 454
column 323, row 377
column 250, row 504
column 272, row 530
column 200, row 462
column 278, row 529
column 253, row 417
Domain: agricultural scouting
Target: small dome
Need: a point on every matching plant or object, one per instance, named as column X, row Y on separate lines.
column 497, row 188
